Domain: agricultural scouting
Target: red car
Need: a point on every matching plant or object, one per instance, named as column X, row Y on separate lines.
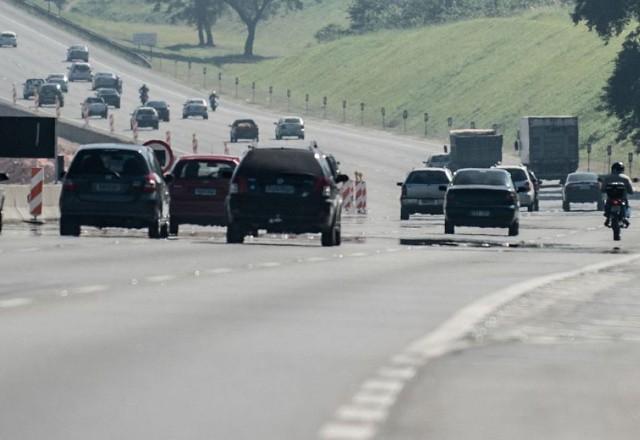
column 199, row 189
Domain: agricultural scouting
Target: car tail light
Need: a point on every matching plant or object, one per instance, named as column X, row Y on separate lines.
column 239, row 186
column 323, row 186
column 150, row 184
column 512, row 197
column 69, row 185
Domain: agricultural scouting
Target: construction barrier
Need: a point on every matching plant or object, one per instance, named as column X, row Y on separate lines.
column 14, row 94
column 226, row 147
column 35, row 193
column 85, row 115
column 57, row 107
column 361, row 194
column 347, row 193
column 112, row 123
column 194, row 144
column 167, row 137
column 134, row 129
column 36, row 101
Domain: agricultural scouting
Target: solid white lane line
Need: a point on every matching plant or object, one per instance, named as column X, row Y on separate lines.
column 14, row 302
column 406, row 373
column 374, row 399
column 342, row 431
column 315, row 259
column 89, row 289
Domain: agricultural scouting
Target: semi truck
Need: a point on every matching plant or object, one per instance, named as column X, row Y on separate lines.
column 474, row 148
column 548, row 145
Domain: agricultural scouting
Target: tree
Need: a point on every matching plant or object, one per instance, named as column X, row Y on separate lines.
column 251, row 12
column 201, row 13
column 621, row 95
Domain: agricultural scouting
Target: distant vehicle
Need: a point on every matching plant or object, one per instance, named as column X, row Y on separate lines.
column 484, row 198
column 3, row 178
column 423, row 191
column 94, row 106
column 78, row 53
column 284, row 190
column 582, row 187
column 162, row 108
column 527, row 193
column 31, row 87
column 80, row 72
column 145, row 117
column 109, row 96
column 438, row 161
column 245, row 129
column 617, row 208
column 105, row 80
column 114, row 185
column 291, row 126
column 474, row 148
column 48, row 94
column 59, row 78
column 8, row 38
column 198, row 190
column 195, row 107
column 549, row 145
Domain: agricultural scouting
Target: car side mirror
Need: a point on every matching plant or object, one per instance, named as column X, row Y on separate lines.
column 3, row 177
column 446, row 149
column 341, row 178
column 169, row 178
column 400, row 183
column 442, row 187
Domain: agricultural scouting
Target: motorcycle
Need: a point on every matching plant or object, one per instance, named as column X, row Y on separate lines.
column 617, row 215
column 213, row 101
column 144, row 96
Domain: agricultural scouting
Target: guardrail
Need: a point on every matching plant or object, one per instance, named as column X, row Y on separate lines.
column 121, row 49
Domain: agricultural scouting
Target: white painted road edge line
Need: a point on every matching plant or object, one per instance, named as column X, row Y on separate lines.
column 14, row 302
column 362, row 417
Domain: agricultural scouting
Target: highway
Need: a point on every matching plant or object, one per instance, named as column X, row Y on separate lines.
column 400, row 333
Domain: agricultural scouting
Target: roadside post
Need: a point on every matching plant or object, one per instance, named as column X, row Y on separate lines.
column 57, row 107
column 253, row 92
column 270, row 95
column 14, row 94
column 609, row 151
column 630, row 164
column 36, row 100
column 34, row 198
column 189, row 70
column 237, row 83
column 473, row 124
column 167, row 137
column 112, row 123
column 405, row 116
column 324, row 107
column 135, row 131
column 306, row 103
column 589, row 148
column 85, row 116
column 204, row 77
column 194, row 144
column 288, row 100
column 450, row 122
column 344, row 110
column 362, row 113
column 383, row 112
column 219, row 82
column 426, row 124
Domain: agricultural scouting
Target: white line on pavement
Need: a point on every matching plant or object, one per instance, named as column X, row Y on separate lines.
column 89, row 289
column 160, row 278
column 14, row 302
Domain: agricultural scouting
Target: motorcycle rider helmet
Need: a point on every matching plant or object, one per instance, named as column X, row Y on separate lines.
column 617, row 168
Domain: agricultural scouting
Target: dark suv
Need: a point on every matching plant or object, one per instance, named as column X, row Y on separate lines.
column 114, row 185
column 244, row 129
column 284, row 190
column 49, row 93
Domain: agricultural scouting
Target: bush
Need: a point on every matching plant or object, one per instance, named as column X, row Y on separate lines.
column 331, row 32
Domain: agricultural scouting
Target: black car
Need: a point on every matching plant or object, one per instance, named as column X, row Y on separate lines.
column 3, row 177
column 109, row 96
column 244, row 129
column 284, row 190
column 162, row 108
column 581, row 187
column 145, row 117
column 49, row 93
column 78, row 53
column 31, row 87
column 114, row 185
column 103, row 80
column 484, row 198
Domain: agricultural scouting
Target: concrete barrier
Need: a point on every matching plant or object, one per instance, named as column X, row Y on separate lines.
column 16, row 206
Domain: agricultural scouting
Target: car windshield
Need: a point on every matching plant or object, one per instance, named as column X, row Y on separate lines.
column 146, row 112
column 81, row 67
column 582, row 177
column 202, row 169
column 482, row 177
column 427, row 177
column 102, row 162
column 107, row 92
column 292, row 121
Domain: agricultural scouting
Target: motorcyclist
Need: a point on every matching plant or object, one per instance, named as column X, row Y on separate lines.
column 213, row 100
column 144, row 93
column 617, row 176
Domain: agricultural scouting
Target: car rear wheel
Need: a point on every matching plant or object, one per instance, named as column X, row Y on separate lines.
column 514, row 229
column 531, row 208
column 329, row 236
column 69, row 226
column 536, row 205
column 566, row 206
column 154, row 229
column 174, row 227
column 449, row 228
column 235, row 234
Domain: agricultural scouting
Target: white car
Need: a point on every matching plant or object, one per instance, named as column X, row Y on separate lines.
column 423, row 191
column 8, row 38
column 525, row 187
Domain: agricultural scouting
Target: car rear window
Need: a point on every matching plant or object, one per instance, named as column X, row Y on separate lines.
column 157, row 104
column 81, row 67
column 517, row 174
column 278, row 161
column 8, row 34
column 202, row 169
column 146, row 112
column 427, row 177
column 114, row 162
column 582, row 177
column 107, row 92
column 482, row 177
column 292, row 121
column 93, row 100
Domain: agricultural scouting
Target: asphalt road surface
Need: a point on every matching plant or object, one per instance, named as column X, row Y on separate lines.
column 400, row 333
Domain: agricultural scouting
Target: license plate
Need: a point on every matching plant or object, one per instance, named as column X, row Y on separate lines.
column 280, row 189
column 480, row 213
column 205, row 191
column 430, row 202
column 107, row 187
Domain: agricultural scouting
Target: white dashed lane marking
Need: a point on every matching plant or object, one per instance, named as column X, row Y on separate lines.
column 14, row 302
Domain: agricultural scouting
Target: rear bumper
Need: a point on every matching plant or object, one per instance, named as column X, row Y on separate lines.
column 147, row 123
column 137, row 214
column 499, row 216
column 422, row 206
column 589, row 196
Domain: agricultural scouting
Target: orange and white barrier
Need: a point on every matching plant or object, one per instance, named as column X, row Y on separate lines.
column 112, row 123
column 85, row 115
column 361, row 194
column 167, row 137
column 226, row 147
column 57, row 107
column 36, row 101
column 194, row 144
column 14, row 94
column 348, row 199
column 134, row 128
column 35, row 194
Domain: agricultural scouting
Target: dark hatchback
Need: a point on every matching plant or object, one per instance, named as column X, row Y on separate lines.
column 114, row 185
column 109, row 96
column 102, row 80
column 50, row 93
column 582, row 187
column 199, row 188
column 162, row 108
column 484, row 198
column 284, row 190
column 245, row 129
column 145, row 117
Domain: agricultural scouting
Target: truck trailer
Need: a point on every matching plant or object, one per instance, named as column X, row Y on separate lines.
column 474, row 148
